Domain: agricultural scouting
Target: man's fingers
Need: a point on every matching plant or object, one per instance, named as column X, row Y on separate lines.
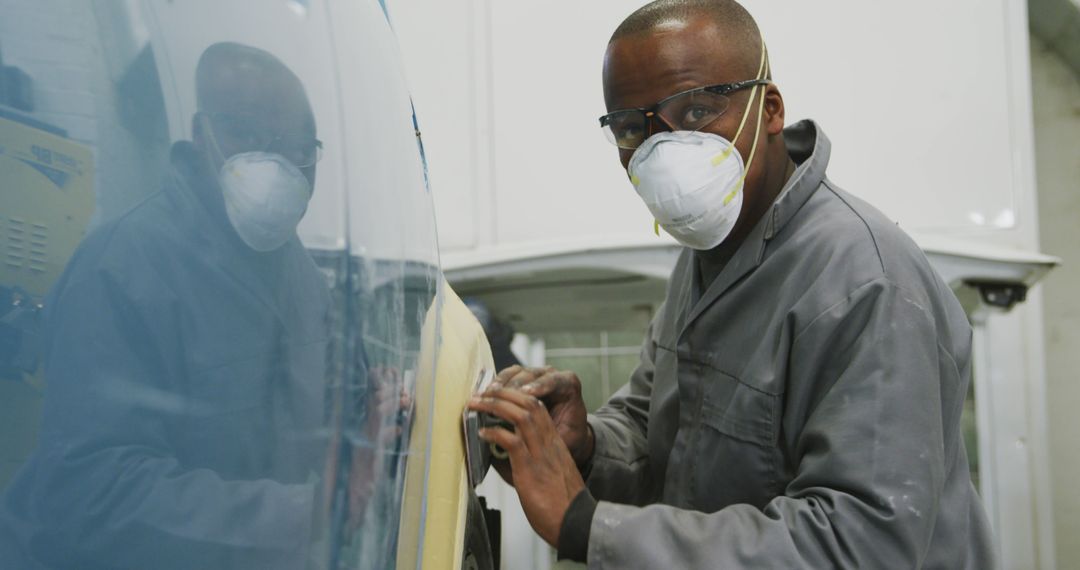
column 528, row 414
column 554, row 387
column 505, row 375
column 524, row 377
column 519, row 397
column 505, row 439
column 543, row 386
column 502, row 408
column 546, row 382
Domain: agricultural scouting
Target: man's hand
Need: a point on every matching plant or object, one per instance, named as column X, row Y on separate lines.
column 560, row 391
column 545, row 475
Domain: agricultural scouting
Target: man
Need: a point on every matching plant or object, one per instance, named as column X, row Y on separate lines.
column 187, row 342
column 799, row 395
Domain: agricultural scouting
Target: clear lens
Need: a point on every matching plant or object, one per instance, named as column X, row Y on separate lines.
column 626, row 129
column 693, row 110
column 689, row 111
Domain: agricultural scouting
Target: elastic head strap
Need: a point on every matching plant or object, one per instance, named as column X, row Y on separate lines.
column 762, row 73
column 757, row 131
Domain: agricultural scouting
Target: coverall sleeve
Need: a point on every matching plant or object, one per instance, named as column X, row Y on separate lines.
column 619, row 470
column 109, row 491
column 865, row 446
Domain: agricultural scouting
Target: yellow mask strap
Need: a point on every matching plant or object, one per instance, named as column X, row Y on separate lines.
column 757, row 133
column 763, row 72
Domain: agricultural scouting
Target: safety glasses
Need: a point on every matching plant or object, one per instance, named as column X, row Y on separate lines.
column 690, row 110
column 246, row 132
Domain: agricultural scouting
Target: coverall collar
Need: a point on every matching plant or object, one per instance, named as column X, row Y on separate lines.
column 810, row 149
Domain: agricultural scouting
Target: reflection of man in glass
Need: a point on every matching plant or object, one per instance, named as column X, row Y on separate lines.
column 186, row 352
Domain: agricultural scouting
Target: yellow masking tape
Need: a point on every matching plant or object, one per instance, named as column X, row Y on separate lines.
column 450, row 362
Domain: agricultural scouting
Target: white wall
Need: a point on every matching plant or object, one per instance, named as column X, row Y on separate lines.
column 919, row 99
column 1057, row 144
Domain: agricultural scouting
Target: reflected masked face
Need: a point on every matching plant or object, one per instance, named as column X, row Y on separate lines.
column 255, row 128
column 254, row 110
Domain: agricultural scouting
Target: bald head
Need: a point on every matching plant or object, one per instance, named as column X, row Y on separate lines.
column 740, row 39
column 228, row 73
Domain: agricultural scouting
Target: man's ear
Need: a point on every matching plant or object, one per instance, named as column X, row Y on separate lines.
column 774, row 110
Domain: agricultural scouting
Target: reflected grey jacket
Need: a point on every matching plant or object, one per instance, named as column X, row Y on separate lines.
column 804, row 412
column 183, row 373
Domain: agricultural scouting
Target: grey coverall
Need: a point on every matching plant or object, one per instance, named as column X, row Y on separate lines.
column 804, row 412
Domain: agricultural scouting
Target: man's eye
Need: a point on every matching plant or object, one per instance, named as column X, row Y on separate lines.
column 628, row 133
column 697, row 117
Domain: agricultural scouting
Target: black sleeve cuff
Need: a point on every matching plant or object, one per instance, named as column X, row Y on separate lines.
column 574, row 532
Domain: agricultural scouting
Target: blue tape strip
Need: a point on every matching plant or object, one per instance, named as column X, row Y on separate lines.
column 420, row 144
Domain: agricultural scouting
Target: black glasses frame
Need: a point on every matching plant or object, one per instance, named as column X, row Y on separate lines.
column 273, row 142
column 719, row 89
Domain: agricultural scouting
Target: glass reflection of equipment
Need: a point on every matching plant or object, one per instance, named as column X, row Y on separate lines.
column 46, row 204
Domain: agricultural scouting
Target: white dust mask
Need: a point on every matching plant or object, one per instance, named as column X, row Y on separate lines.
column 692, row 181
column 266, row 195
